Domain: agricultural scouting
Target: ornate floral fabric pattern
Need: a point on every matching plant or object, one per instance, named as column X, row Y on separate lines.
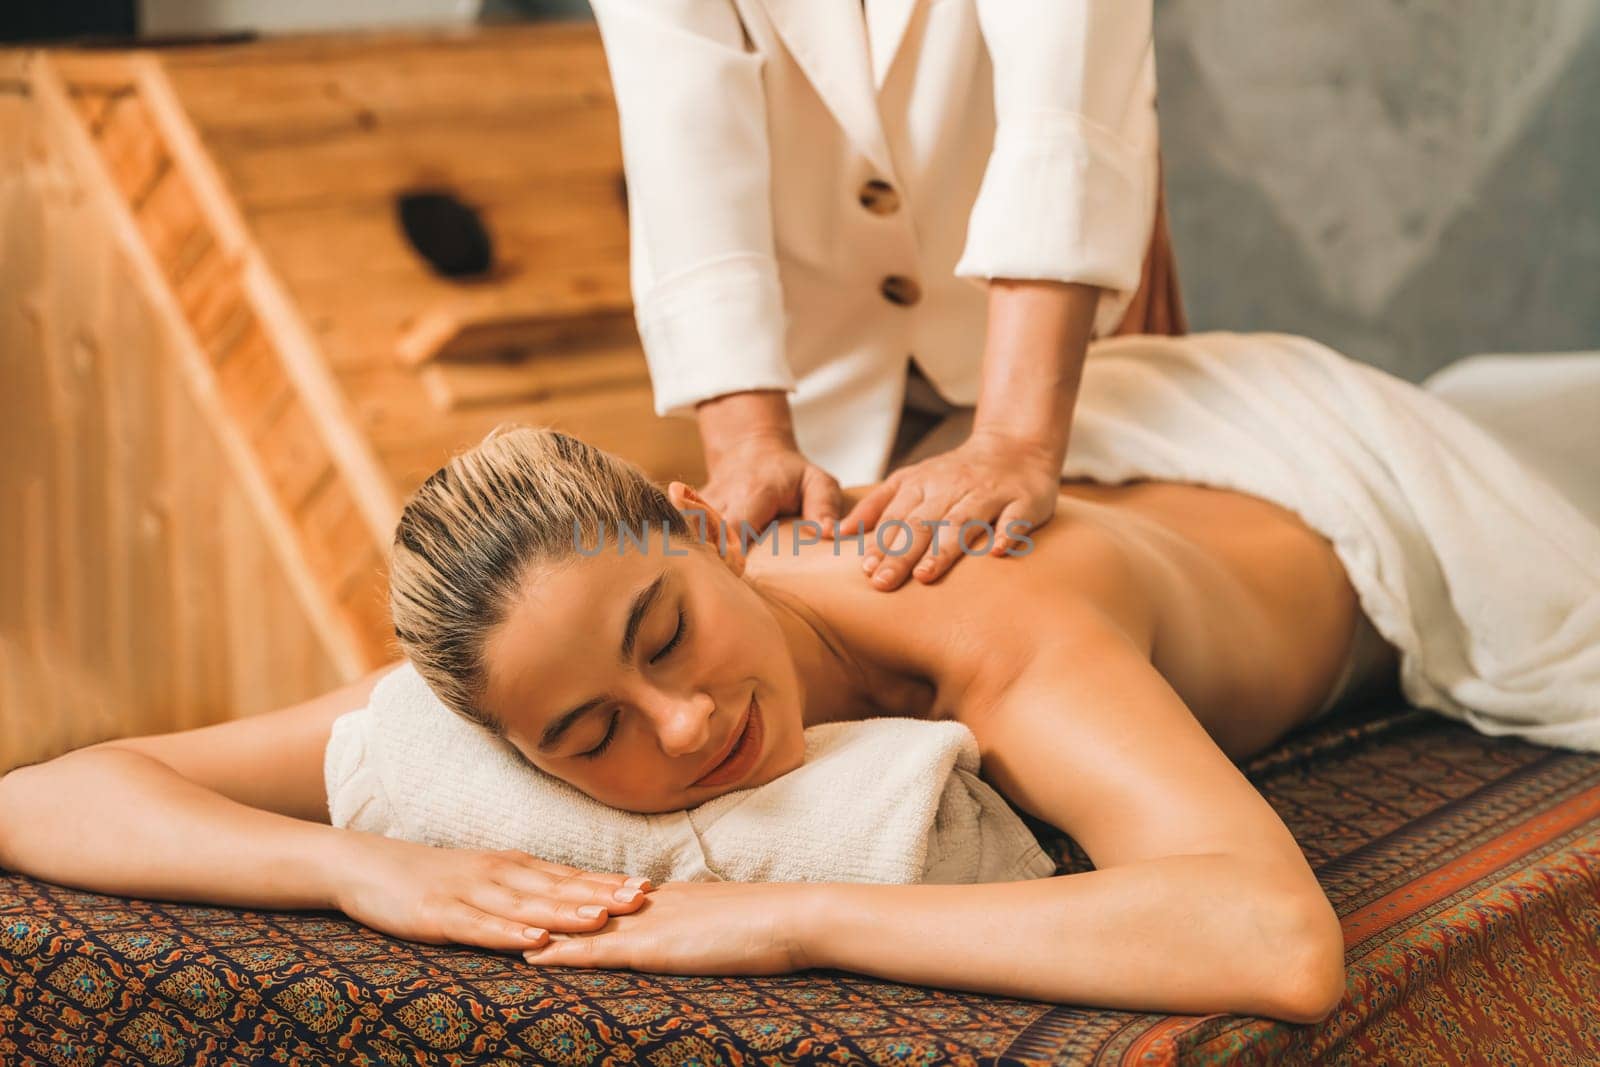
column 1466, row 870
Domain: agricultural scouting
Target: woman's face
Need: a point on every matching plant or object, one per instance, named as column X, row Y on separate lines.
column 630, row 676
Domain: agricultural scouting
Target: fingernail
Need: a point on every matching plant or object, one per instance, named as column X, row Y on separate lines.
column 591, row 911
column 924, row 568
column 533, row 933
column 638, row 883
column 882, row 577
column 870, row 563
column 527, row 952
column 627, row 896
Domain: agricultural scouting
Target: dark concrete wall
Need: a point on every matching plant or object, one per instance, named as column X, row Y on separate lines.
column 1407, row 181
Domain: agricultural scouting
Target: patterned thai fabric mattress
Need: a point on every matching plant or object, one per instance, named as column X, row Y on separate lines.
column 1467, row 871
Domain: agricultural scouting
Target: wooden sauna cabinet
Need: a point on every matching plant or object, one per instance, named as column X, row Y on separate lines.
column 224, row 360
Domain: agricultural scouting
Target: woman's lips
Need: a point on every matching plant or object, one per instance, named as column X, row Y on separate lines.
column 744, row 754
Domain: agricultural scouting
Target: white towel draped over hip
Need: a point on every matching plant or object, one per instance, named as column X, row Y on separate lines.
column 876, row 800
column 1485, row 577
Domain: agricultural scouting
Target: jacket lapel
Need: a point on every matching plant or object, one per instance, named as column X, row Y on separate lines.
column 828, row 41
column 887, row 22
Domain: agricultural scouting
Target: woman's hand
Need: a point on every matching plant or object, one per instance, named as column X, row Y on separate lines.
column 702, row 928
column 761, row 479
column 501, row 900
column 989, row 479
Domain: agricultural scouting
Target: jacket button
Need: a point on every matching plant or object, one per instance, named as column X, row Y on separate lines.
column 879, row 197
column 898, row 289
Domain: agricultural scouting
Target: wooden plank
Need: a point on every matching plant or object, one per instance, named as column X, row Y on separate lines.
column 279, row 100
column 193, row 365
column 133, row 150
column 554, row 377
column 365, row 604
column 289, row 293
column 362, row 323
column 187, row 545
column 24, row 436
column 497, row 328
column 117, row 615
column 171, row 223
column 128, row 332
column 94, row 105
column 92, row 69
column 98, row 633
column 620, row 420
column 445, row 42
column 338, row 543
column 280, row 320
column 568, row 143
column 539, row 226
column 14, row 71
column 293, row 456
column 370, row 338
column 253, row 385
column 272, row 657
column 214, row 302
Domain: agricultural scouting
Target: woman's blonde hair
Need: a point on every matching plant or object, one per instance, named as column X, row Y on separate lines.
column 468, row 535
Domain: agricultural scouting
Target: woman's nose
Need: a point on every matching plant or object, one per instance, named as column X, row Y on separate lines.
column 684, row 723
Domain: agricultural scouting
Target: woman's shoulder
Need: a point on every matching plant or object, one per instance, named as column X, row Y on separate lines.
column 985, row 616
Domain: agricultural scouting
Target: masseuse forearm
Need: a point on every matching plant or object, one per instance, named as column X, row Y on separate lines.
column 735, row 418
column 115, row 821
column 1038, row 336
column 1188, row 934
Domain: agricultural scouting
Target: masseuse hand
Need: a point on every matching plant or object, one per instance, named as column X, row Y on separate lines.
column 756, row 472
column 501, row 900
column 991, row 478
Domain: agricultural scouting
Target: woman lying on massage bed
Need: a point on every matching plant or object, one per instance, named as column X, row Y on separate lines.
column 1108, row 674
column 1153, row 634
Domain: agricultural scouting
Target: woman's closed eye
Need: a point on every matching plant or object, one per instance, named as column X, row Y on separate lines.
column 677, row 637
column 611, row 729
column 605, row 742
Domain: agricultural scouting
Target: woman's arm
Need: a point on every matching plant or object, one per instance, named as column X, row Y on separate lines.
column 1192, row 934
column 1201, row 901
column 236, row 814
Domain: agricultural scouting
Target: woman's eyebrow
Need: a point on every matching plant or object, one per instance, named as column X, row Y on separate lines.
column 642, row 602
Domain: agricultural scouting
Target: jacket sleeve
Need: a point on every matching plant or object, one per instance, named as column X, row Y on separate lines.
column 1069, row 190
column 694, row 142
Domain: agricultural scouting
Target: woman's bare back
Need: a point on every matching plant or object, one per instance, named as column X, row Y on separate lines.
column 1244, row 610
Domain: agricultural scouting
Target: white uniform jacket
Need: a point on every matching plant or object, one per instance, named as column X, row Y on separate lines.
column 818, row 190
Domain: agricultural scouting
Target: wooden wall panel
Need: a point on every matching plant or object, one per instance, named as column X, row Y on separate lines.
column 314, row 140
column 222, row 365
column 137, row 591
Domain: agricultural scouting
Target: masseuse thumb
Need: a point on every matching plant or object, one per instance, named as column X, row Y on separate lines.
column 821, row 499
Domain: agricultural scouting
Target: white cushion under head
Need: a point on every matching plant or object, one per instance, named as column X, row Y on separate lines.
column 1545, row 410
column 886, row 799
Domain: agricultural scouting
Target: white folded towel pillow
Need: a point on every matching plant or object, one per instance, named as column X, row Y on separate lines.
column 888, row 800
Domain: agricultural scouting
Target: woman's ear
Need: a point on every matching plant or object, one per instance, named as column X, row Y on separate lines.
column 708, row 524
